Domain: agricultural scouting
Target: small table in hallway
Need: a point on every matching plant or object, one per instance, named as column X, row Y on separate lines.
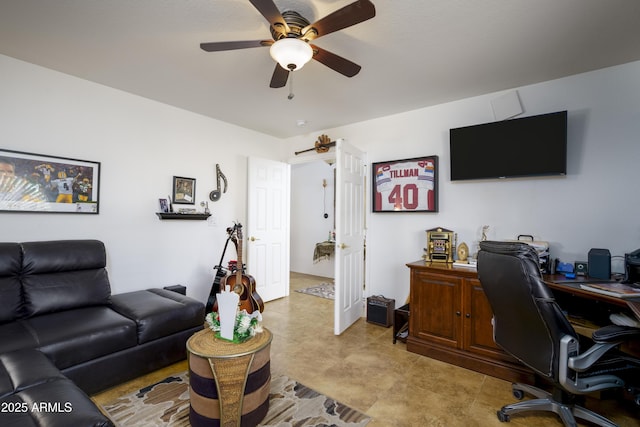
column 323, row 250
column 228, row 382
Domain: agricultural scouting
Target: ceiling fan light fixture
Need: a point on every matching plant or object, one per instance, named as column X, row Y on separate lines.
column 291, row 53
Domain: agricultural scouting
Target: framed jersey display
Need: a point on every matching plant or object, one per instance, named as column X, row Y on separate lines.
column 409, row 185
column 40, row 183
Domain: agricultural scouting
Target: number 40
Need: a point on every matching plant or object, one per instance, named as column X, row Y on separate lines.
column 404, row 197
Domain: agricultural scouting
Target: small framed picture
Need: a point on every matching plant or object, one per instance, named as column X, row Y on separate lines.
column 164, row 205
column 184, row 190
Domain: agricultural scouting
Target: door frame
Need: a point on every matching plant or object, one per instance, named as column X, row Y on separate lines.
column 330, row 156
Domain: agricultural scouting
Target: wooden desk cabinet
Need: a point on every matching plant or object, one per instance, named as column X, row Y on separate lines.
column 451, row 321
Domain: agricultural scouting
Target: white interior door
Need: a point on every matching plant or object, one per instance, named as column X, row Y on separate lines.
column 267, row 229
column 350, row 235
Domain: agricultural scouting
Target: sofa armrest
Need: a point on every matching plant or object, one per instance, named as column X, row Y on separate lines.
column 158, row 312
column 177, row 288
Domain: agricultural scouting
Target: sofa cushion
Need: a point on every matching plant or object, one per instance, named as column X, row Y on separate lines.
column 41, row 396
column 23, row 369
column 47, row 293
column 159, row 312
column 74, row 336
column 15, row 336
column 10, row 291
column 69, row 406
column 61, row 275
column 63, row 255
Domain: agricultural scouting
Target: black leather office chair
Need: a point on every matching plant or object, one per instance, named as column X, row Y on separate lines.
column 529, row 325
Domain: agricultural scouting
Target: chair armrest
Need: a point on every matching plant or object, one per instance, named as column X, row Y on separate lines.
column 605, row 339
column 571, row 362
column 584, row 361
column 615, row 333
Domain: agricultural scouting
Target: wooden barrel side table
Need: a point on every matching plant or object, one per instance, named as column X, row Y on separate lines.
column 229, row 383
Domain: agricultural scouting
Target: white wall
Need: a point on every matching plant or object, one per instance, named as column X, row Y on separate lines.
column 309, row 202
column 595, row 205
column 141, row 145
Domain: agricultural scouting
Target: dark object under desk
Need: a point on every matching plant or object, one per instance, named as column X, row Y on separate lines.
column 401, row 323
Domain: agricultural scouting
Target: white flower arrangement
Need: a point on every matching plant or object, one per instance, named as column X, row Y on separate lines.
column 246, row 326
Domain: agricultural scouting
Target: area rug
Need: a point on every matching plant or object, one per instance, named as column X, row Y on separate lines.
column 166, row 404
column 323, row 290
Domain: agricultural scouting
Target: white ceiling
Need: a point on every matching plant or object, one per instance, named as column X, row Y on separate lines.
column 413, row 54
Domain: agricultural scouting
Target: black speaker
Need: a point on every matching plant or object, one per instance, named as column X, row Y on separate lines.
column 380, row 310
column 600, row 263
column 580, row 268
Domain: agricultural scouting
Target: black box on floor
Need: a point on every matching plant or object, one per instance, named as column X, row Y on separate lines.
column 401, row 323
column 177, row 288
column 380, row 310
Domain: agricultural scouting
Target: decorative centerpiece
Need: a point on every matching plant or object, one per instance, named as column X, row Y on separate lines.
column 246, row 325
column 231, row 324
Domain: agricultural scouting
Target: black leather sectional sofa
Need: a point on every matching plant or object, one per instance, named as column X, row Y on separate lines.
column 63, row 335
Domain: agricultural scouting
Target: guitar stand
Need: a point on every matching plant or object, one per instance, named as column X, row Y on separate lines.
column 220, row 273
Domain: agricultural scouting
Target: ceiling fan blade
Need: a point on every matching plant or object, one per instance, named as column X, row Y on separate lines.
column 270, row 11
column 219, row 46
column 349, row 15
column 279, row 77
column 335, row 62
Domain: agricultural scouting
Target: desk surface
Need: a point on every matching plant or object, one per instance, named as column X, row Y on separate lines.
column 573, row 288
column 554, row 282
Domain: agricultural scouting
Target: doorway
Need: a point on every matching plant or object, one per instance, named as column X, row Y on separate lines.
column 312, row 217
column 350, row 226
column 350, row 229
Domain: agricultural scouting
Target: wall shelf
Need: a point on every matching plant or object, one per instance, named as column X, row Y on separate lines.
column 191, row 216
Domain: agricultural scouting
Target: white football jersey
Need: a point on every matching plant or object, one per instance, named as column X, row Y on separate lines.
column 405, row 186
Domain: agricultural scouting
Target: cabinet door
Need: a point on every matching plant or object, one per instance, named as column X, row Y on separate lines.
column 477, row 315
column 437, row 301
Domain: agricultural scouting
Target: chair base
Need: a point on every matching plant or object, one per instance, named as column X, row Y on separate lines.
column 545, row 402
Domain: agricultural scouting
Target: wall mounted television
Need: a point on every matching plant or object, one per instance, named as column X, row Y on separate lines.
column 522, row 147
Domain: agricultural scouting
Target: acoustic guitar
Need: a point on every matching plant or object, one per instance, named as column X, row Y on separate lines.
column 243, row 284
column 212, row 303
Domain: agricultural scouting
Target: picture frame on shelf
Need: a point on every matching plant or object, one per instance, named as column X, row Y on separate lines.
column 164, row 205
column 42, row 183
column 184, row 190
column 407, row 185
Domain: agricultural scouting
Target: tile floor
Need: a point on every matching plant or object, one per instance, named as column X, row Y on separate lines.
column 364, row 369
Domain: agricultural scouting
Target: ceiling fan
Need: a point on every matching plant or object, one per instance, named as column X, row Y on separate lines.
column 292, row 33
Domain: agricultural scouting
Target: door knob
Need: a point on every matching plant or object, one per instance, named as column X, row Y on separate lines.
column 253, row 239
column 343, row 246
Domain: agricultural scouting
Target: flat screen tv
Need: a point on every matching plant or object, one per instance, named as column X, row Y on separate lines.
column 523, row 147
